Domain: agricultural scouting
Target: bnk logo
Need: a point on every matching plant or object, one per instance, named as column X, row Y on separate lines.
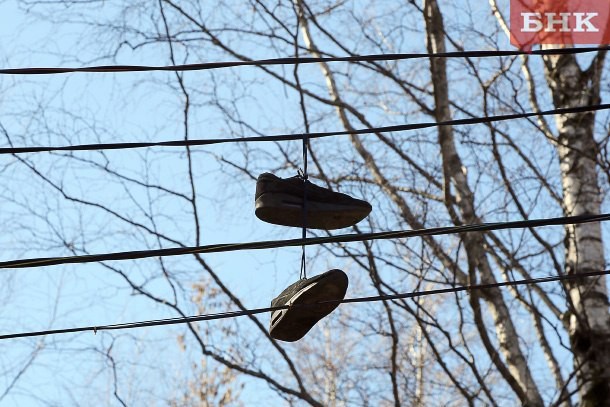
column 559, row 22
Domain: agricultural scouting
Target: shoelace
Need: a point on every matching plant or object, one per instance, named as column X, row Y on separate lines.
column 305, row 139
column 303, row 175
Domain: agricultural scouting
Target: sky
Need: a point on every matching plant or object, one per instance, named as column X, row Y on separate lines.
column 126, row 107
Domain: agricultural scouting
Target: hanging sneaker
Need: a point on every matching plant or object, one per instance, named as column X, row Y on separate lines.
column 293, row 323
column 280, row 201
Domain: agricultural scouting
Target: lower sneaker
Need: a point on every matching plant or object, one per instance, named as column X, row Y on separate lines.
column 293, row 323
column 280, row 201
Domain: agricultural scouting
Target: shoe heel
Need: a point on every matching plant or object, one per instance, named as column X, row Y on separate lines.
column 279, row 209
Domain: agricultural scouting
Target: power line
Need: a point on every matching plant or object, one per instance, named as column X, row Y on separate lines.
column 293, row 60
column 301, row 136
column 274, row 244
column 235, row 314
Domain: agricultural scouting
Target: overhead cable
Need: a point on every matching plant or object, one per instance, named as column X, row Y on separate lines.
column 273, row 244
column 301, row 136
column 295, row 60
column 235, row 314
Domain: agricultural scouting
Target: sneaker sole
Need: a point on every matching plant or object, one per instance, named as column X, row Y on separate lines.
column 292, row 324
column 287, row 210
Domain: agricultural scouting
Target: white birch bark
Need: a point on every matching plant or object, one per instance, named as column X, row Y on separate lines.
column 589, row 321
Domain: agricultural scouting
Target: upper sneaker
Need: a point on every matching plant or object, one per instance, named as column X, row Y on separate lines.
column 293, row 323
column 280, row 201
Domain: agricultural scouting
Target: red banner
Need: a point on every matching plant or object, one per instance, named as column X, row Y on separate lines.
column 559, row 22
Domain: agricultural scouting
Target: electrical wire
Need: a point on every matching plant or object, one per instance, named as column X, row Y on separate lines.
column 274, row 244
column 235, row 314
column 40, row 262
column 301, row 136
column 295, row 60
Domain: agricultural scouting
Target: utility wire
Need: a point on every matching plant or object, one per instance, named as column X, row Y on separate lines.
column 273, row 244
column 40, row 262
column 293, row 60
column 301, row 136
column 235, row 314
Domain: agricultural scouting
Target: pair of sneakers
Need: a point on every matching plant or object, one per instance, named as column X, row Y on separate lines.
column 297, row 202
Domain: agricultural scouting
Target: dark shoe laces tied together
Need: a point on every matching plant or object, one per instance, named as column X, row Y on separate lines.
column 303, row 174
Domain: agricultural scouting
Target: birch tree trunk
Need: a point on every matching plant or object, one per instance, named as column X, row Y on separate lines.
column 589, row 320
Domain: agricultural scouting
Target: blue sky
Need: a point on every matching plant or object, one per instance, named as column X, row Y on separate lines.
column 125, row 107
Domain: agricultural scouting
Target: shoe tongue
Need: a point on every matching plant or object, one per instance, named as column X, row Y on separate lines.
column 301, row 174
column 299, row 178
